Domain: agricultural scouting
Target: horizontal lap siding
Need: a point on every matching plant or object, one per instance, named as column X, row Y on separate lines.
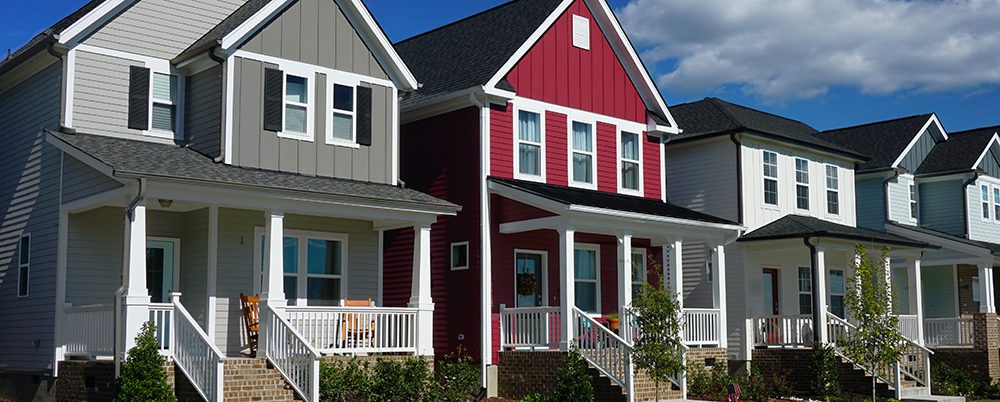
column 502, row 141
column 651, row 166
column 871, row 202
column 80, row 181
column 556, row 151
column 702, row 176
column 607, row 157
column 101, row 95
column 234, row 273
column 94, row 260
column 203, row 112
column 941, row 206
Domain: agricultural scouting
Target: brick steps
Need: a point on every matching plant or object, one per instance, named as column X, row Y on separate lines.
column 249, row 379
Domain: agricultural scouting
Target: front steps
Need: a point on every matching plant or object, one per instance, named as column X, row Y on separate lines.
column 248, row 379
column 645, row 388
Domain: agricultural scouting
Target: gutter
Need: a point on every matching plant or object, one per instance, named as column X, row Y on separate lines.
column 739, row 176
column 222, row 149
column 965, row 201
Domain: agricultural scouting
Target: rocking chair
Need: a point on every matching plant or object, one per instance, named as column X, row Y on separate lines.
column 357, row 332
column 251, row 320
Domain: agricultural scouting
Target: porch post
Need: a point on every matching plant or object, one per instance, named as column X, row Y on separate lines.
column 136, row 296
column 272, row 293
column 887, row 266
column 819, row 296
column 986, row 304
column 420, row 289
column 567, row 296
column 625, row 271
column 916, row 295
column 677, row 275
column 719, row 268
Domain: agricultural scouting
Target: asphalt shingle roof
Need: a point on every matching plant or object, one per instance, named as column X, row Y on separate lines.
column 714, row 116
column 797, row 226
column 959, row 153
column 599, row 199
column 148, row 159
column 468, row 52
column 884, row 140
column 993, row 247
column 227, row 25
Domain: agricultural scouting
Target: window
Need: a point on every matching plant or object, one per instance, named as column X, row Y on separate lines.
column 529, row 144
column 296, row 107
column 529, row 278
column 23, row 265
column 913, row 201
column 631, row 165
column 801, row 183
column 837, row 292
column 985, row 190
column 581, row 32
column 163, row 114
column 639, row 275
column 976, row 297
column 459, row 255
column 805, row 290
column 583, row 160
column 342, row 113
column 996, row 203
column 314, row 267
column 586, row 278
column 770, row 178
column 832, row 190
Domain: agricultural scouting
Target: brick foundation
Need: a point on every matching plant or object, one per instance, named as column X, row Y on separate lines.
column 982, row 361
column 371, row 359
column 523, row 373
column 86, row 381
column 795, row 366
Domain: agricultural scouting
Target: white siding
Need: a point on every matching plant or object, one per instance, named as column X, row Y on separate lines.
column 899, row 200
column 702, row 176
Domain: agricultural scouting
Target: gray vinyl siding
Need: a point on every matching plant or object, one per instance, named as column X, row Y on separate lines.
column 101, row 95
column 194, row 264
column 697, row 288
column 362, row 254
column 979, row 228
column 256, row 148
column 939, row 287
column 899, row 200
column 162, row 28
column 920, row 149
column 703, row 176
column 203, row 112
column 316, row 32
column 80, row 180
column 234, row 273
column 736, row 300
column 94, row 256
column 941, row 206
column 871, row 202
column 29, row 198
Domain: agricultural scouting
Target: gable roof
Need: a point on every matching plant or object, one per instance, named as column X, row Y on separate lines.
column 710, row 117
column 40, row 41
column 797, row 226
column 886, row 140
column 993, row 248
column 961, row 153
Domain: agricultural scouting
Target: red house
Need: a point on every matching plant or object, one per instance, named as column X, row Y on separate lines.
column 539, row 119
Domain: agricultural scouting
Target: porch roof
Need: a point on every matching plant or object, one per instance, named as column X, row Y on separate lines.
column 125, row 158
column 992, row 248
column 797, row 226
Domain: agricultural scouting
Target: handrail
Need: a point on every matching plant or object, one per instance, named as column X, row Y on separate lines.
column 605, row 350
column 196, row 355
column 292, row 355
column 362, row 329
column 906, row 366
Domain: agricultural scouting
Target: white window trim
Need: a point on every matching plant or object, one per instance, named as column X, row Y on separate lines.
column 985, row 205
column 302, row 274
column 517, row 143
column 645, row 269
column 451, row 255
column 974, row 282
column 330, row 111
column 621, row 162
column 26, row 266
column 310, row 105
column 545, row 273
column 799, row 292
column 177, row 104
column 775, row 178
column 914, row 207
column 581, row 42
column 593, row 153
column 803, row 184
column 597, row 255
column 826, row 172
column 996, row 202
column 177, row 261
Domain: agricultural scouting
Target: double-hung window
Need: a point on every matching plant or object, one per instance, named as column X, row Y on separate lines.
column 585, row 278
column 342, row 115
column 630, row 163
column 23, row 265
column 805, row 290
column 296, row 107
column 314, row 267
column 529, row 145
column 913, row 201
column 582, row 155
column 639, row 275
column 163, row 112
column 837, row 288
column 801, row 183
column 985, row 197
column 770, row 178
column 976, row 296
column 832, row 190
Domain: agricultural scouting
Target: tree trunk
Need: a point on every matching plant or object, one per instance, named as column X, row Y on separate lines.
column 657, row 384
column 873, row 387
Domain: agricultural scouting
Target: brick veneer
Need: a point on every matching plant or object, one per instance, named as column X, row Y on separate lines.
column 794, row 365
column 374, row 358
column 965, row 274
column 86, row 381
column 982, row 361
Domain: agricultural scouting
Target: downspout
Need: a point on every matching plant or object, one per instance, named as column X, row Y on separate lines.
column 815, row 285
column 222, row 149
column 739, row 177
column 965, row 201
column 129, row 213
column 664, row 141
column 885, row 189
column 485, row 233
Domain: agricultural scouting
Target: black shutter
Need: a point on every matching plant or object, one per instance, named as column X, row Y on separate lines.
column 273, row 102
column 138, row 98
column 364, row 112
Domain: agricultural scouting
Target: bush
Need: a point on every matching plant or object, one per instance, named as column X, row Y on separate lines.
column 344, row 381
column 143, row 377
column 713, row 384
column 395, row 381
column 456, row 378
column 946, row 380
column 573, row 381
column 825, row 373
column 536, row 397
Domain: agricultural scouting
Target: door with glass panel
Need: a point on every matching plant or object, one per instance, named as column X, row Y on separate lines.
column 161, row 269
column 529, row 279
column 770, row 297
column 586, row 271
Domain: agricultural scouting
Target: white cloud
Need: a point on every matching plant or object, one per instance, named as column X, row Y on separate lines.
column 797, row 49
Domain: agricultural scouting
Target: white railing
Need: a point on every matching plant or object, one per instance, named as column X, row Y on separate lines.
column 356, row 329
column 701, row 326
column 162, row 315
column 607, row 352
column 529, row 327
column 908, row 326
column 291, row 354
column 914, row 363
column 948, row 332
column 196, row 355
column 783, row 330
column 90, row 330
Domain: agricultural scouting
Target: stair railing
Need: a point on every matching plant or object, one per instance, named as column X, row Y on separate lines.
column 291, row 354
column 914, row 363
column 195, row 354
column 605, row 350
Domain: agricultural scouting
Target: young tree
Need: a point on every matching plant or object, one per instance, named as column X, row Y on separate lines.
column 658, row 321
column 143, row 377
column 875, row 343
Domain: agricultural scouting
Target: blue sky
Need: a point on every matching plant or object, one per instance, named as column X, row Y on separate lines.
column 829, row 63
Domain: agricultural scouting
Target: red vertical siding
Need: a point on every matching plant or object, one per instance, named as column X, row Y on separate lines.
column 556, row 137
column 607, row 157
column 501, row 141
column 651, row 167
column 594, row 80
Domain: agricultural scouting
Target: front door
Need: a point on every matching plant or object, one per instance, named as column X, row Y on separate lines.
column 161, row 268
column 528, row 279
column 770, row 295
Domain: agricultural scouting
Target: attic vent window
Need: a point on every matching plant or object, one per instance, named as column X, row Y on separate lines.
column 581, row 32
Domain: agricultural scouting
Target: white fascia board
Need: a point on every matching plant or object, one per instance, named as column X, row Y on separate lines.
column 916, row 137
column 407, row 81
column 975, row 251
column 528, row 198
column 994, row 140
column 655, row 218
column 528, row 44
column 94, row 19
column 81, row 156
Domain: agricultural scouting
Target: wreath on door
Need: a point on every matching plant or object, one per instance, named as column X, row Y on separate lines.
column 527, row 284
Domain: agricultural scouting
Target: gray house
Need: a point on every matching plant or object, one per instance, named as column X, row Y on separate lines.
column 165, row 157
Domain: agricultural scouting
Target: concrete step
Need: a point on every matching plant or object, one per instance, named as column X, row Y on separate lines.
column 935, row 398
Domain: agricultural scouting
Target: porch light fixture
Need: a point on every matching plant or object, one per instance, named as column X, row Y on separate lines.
column 166, row 203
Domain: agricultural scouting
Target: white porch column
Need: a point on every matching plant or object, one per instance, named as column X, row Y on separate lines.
column 819, row 296
column 887, row 266
column 916, row 295
column 567, row 296
column 986, row 303
column 420, row 291
column 212, row 268
column 677, row 274
column 272, row 293
column 719, row 275
column 136, row 297
column 625, row 270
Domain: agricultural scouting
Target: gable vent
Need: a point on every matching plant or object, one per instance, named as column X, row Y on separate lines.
column 581, row 32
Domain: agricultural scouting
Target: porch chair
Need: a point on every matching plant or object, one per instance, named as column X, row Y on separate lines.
column 251, row 320
column 356, row 331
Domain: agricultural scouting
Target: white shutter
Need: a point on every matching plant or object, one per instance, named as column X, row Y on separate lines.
column 581, row 32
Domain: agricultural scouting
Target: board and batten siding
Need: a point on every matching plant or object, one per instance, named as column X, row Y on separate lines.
column 29, row 198
column 870, row 193
column 899, row 200
column 980, row 228
column 256, row 148
column 941, row 206
column 991, row 162
column 162, row 28
column 203, row 114
column 100, row 95
column 919, row 151
column 316, row 32
column 702, row 176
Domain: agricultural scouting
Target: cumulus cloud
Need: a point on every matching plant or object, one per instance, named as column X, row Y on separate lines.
column 798, row 49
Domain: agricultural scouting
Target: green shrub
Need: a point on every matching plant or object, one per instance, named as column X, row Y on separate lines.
column 713, row 384
column 344, row 381
column 143, row 377
column 456, row 378
column 946, row 380
column 395, row 381
column 536, row 397
column 825, row 373
column 573, row 381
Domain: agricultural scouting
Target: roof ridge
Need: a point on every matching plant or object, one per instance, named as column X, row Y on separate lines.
column 875, row 123
column 969, row 131
column 463, row 19
column 764, row 112
column 732, row 119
